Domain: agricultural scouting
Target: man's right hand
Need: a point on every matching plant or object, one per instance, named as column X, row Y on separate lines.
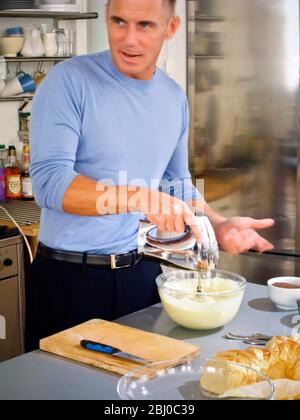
column 170, row 214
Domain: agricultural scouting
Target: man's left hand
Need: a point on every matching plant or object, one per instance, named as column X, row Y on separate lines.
column 238, row 234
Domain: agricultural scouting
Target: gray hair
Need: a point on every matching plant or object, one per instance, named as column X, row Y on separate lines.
column 172, row 4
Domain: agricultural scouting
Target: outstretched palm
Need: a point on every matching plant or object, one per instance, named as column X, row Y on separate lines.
column 238, row 234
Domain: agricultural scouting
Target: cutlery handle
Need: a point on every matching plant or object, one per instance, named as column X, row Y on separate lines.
column 254, row 337
column 255, row 342
column 100, row 348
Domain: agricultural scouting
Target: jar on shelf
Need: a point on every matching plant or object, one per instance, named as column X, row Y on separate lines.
column 50, row 44
column 63, row 49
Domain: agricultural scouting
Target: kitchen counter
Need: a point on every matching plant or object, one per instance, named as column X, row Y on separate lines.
column 39, row 375
column 27, row 214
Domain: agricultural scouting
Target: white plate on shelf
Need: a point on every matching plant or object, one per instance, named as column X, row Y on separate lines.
column 59, row 7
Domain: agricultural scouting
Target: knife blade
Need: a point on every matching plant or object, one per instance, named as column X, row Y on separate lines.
column 112, row 351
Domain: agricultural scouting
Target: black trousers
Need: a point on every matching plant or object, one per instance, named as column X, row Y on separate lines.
column 61, row 295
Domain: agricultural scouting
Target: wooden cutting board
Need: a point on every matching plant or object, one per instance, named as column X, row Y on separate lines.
column 152, row 347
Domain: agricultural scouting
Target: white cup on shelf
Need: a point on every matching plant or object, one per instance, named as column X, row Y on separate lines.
column 70, row 40
column 50, row 44
column 13, row 87
column 22, row 83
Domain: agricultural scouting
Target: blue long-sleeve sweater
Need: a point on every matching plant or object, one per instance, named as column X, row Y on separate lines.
column 90, row 119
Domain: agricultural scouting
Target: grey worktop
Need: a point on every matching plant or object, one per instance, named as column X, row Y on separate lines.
column 39, row 375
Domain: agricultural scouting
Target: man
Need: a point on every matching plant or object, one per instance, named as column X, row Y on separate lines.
column 106, row 130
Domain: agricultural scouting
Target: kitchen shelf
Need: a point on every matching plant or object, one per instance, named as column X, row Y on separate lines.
column 206, row 57
column 35, row 59
column 24, row 98
column 208, row 18
column 47, row 15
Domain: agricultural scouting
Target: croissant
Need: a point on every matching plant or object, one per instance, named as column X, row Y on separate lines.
column 279, row 359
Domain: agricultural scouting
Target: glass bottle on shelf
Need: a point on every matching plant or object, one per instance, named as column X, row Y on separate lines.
column 27, row 193
column 13, row 176
column 70, row 35
column 2, row 170
column 62, row 43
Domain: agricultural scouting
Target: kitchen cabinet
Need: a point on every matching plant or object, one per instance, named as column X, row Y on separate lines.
column 12, row 291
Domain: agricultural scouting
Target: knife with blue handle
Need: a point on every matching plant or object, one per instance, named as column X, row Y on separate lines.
column 112, row 351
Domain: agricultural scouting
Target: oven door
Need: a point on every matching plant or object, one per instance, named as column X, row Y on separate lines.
column 10, row 329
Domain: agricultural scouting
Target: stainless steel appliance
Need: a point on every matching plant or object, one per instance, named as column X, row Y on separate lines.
column 243, row 88
column 11, row 298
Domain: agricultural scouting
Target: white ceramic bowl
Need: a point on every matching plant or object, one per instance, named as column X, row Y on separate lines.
column 285, row 299
column 11, row 46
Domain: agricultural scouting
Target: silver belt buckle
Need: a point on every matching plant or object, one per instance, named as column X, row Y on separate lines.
column 113, row 263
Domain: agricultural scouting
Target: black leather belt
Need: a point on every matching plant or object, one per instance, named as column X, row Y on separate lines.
column 113, row 261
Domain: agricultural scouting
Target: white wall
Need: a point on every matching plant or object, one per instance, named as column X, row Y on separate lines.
column 177, row 49
column 97, row 39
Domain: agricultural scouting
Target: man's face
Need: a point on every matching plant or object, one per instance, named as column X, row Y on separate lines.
column 137, row 30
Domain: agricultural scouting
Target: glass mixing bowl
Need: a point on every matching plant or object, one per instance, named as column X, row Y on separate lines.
column 183, row 382
column 217, row 304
